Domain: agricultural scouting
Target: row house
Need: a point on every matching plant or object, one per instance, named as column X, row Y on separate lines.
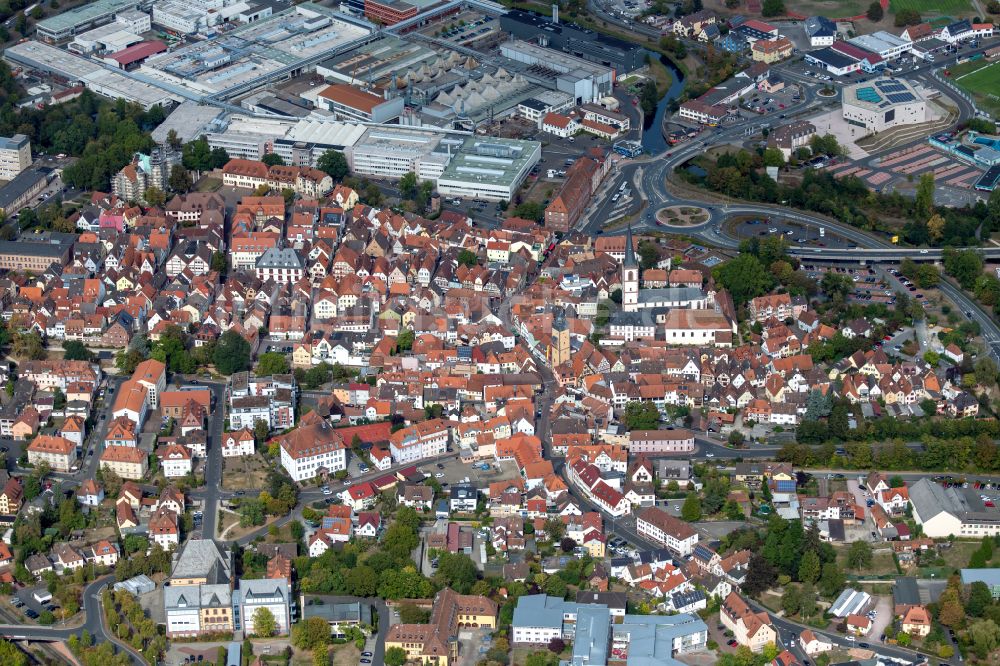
column 250, row 174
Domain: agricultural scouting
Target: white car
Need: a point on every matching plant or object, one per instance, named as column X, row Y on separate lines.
column 439, row 475
column 709, row 455
column 327, row 491
column 924, row 251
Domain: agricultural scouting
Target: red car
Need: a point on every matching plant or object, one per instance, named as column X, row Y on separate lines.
column 732, row 642
column 989, row 503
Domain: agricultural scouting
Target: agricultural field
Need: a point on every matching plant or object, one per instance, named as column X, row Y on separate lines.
column 955, row 8
column 982, row 80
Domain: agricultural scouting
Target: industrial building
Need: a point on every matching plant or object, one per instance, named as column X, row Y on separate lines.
column 109, row 38
column 585, row 81
column 380, row 62
column 623, row 57
column 349, row 103
column 47, row 59
column 72, row 21
column 882, row 103
column 489, row 168
column 391, row 152
column 245, row 54
column 887, row 45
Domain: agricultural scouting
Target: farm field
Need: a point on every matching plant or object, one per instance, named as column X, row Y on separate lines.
column 982, row 80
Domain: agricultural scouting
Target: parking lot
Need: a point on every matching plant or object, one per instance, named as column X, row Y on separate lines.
column 794, row 232
column 24, row 600
column 899, row 168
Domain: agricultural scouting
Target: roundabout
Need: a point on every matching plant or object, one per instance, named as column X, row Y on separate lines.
column 682, row 217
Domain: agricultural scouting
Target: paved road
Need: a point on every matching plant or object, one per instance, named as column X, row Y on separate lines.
column 94, row 624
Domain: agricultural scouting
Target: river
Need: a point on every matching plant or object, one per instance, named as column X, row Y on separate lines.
column 653, row 142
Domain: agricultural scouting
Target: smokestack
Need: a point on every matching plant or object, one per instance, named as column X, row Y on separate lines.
column 555, row 12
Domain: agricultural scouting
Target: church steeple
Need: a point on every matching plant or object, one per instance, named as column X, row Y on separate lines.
column 630, row 275
column 630, row 261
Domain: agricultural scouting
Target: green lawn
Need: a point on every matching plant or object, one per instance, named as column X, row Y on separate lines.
column 934, row 7
column 982, row 79
column 831, row 8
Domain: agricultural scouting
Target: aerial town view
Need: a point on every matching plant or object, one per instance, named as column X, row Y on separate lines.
column 499, row 333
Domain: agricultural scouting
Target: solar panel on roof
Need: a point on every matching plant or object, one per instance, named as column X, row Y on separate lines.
column 897, row 98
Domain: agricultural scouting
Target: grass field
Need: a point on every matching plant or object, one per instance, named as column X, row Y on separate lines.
column 982, row 80
column 934, row 7
column 831, row 8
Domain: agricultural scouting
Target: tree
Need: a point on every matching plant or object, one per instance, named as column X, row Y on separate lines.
column 809, row 567
column 905, row 17
column 791, row 599
column 979, row 599
column 985, row 636
column 197, row 155
column 557, row 645
column 859, row 555
column 395, row 656
column 875, row 12
column 154, row 196
column 11, row 655
column 74, row 350
column 232, row 353
column 935, row 227
column 311, row 633
column 530, row 210
column 649, row 254
column 410, row 613
column 744, row 277
column 761, row 575
column 649, row 98
column 541, row 659
column 321, row 655
column 966, row 266
column 219, row 263
column 836, row 285
column 457, row 571
column 273, row 159
column 691, row 510
column 467, row 258
column 272, row 363
column 28, row 346
column 924, row 201
column 774, row 157
column 264, row 623
column 832, row 580
column 218, row 158
column 404, row 341
column 950, row 610
column 641, row 416
column 408, row 185
column 180, row 179
column 772, row 8
column 334, row 164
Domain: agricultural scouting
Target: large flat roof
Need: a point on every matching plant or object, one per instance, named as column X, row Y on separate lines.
column 492, row 160
column 85, row 14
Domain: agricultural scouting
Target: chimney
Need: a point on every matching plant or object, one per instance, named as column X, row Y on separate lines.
column 555, row 12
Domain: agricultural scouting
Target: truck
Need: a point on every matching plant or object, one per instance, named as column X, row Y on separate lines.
column 42, row 596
